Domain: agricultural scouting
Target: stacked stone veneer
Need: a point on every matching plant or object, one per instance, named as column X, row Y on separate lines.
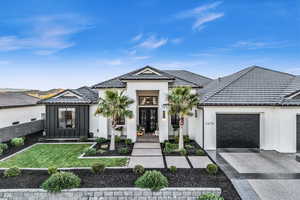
column 107, row 194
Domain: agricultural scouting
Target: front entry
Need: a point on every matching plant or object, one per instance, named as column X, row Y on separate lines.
column 148, row 119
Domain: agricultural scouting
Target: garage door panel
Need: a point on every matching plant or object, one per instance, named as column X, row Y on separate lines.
column 237, row 131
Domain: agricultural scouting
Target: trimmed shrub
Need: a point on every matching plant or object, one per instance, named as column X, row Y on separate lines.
column 173, row 169
column 98, row 168
column 101, row 151
column 12, row 172
column 153, row 180
column 189, row 146
column 3, row 146
column 123, row 150
column 210, row 196
column 128, row 141
column 60, row 181
column 212, row 169
column 101, row 140
column 200, row 152
column 186, row 139
column 90, row 151
column 117, row 139
column 83, row 139
column 1, row 151
column 183, row 152
column 17, row 141
column 52, row 170
column 139, row 169
column 169, row 147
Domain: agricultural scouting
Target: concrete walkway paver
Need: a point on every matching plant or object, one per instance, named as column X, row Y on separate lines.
column 177, row 161
column 147, row 162
column 146, row 152
column 140, row 145
column 200, row 161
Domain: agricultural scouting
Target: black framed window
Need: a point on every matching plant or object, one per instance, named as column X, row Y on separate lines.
column 66, row 117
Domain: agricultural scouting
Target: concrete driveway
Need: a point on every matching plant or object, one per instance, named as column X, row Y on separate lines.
column 265, row 175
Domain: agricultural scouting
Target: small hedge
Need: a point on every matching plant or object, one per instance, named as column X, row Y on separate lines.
column 173, row 169
column 60, row 181
column 153, row 180
column 17, row 142
column 52, row 170
column 101, row 140
column 128, row 141
column 117, row 139
column 3, row 146
column 183, row 152
column 212, row 169
column 123, row 150
column 169, row 147
column 12, row 172
column 139, row 170
column 98, row 168
column 200, row 152
column 210, row 196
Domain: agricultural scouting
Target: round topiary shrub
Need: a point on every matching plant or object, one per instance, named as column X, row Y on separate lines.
column 139, row 169
column 173, row 169
column 98, row 168
column 52, row 170
column 12, row 172
column 90, row 151
column 186, row 139
column 100, row 140
column 60, row 181
column 3, row 146
column 1, row 151
column 212, row 169
column 123, row 150
column 128, row 141
column 210, row 196
column 200, row 152
column 153, row 180
column 17, row 142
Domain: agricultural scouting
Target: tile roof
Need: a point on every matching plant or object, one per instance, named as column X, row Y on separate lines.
column 251, row 86
column 177, row 78
column 86, row 96
column 16, row 99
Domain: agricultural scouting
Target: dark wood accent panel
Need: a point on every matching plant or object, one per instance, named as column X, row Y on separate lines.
column 238, row 130
column 81, row 122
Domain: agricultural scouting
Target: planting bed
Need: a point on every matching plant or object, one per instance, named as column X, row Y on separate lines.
column 118, row 145
column 126, row 178
column 29, row 140
column 190, row 151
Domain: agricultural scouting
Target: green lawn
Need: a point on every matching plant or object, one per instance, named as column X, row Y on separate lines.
column 59, row 155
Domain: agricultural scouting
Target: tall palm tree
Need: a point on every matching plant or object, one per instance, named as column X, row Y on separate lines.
column 181, row 102
column 114, row 106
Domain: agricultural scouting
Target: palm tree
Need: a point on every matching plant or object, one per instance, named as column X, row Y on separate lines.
column 181, row 102
column 114, row 106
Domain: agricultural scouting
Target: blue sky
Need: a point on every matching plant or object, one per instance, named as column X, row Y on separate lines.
column 69, row 43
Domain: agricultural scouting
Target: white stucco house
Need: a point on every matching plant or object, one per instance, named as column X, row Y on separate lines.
column 253, row 108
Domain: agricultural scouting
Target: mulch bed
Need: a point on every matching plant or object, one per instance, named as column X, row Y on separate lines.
column 29, row 140
column 118, row 146
column 190, row 152
column 126, row 178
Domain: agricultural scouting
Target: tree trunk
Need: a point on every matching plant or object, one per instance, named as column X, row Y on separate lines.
column 181, row 144
column 112, row 137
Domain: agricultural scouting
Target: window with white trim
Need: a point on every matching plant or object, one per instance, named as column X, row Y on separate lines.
column 66, row 117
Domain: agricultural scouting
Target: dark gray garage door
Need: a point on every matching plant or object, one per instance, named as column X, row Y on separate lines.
column 237, row 130
column 298, row 132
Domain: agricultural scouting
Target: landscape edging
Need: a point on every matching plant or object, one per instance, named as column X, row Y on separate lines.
column 107, row 193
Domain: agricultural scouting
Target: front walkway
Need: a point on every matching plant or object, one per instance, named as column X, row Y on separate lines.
column 265, row 175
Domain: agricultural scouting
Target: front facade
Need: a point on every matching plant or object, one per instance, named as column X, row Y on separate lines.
column 253, row 108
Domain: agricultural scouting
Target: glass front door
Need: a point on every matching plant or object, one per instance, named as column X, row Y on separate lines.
column 148, row 119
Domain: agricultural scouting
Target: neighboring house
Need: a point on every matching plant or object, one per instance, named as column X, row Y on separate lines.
column 17, row 111
column 253, row 108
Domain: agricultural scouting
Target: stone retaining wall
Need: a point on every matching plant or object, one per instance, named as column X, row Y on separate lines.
column 19, row 130
column 107, row 194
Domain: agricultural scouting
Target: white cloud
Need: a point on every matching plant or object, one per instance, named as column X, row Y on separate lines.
column 176, row 40
column 140, row 57
column 252, row 45
column 137, row 37
column 153, row 42
column 112, row 62
column 202, row 15
column 48, row 34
